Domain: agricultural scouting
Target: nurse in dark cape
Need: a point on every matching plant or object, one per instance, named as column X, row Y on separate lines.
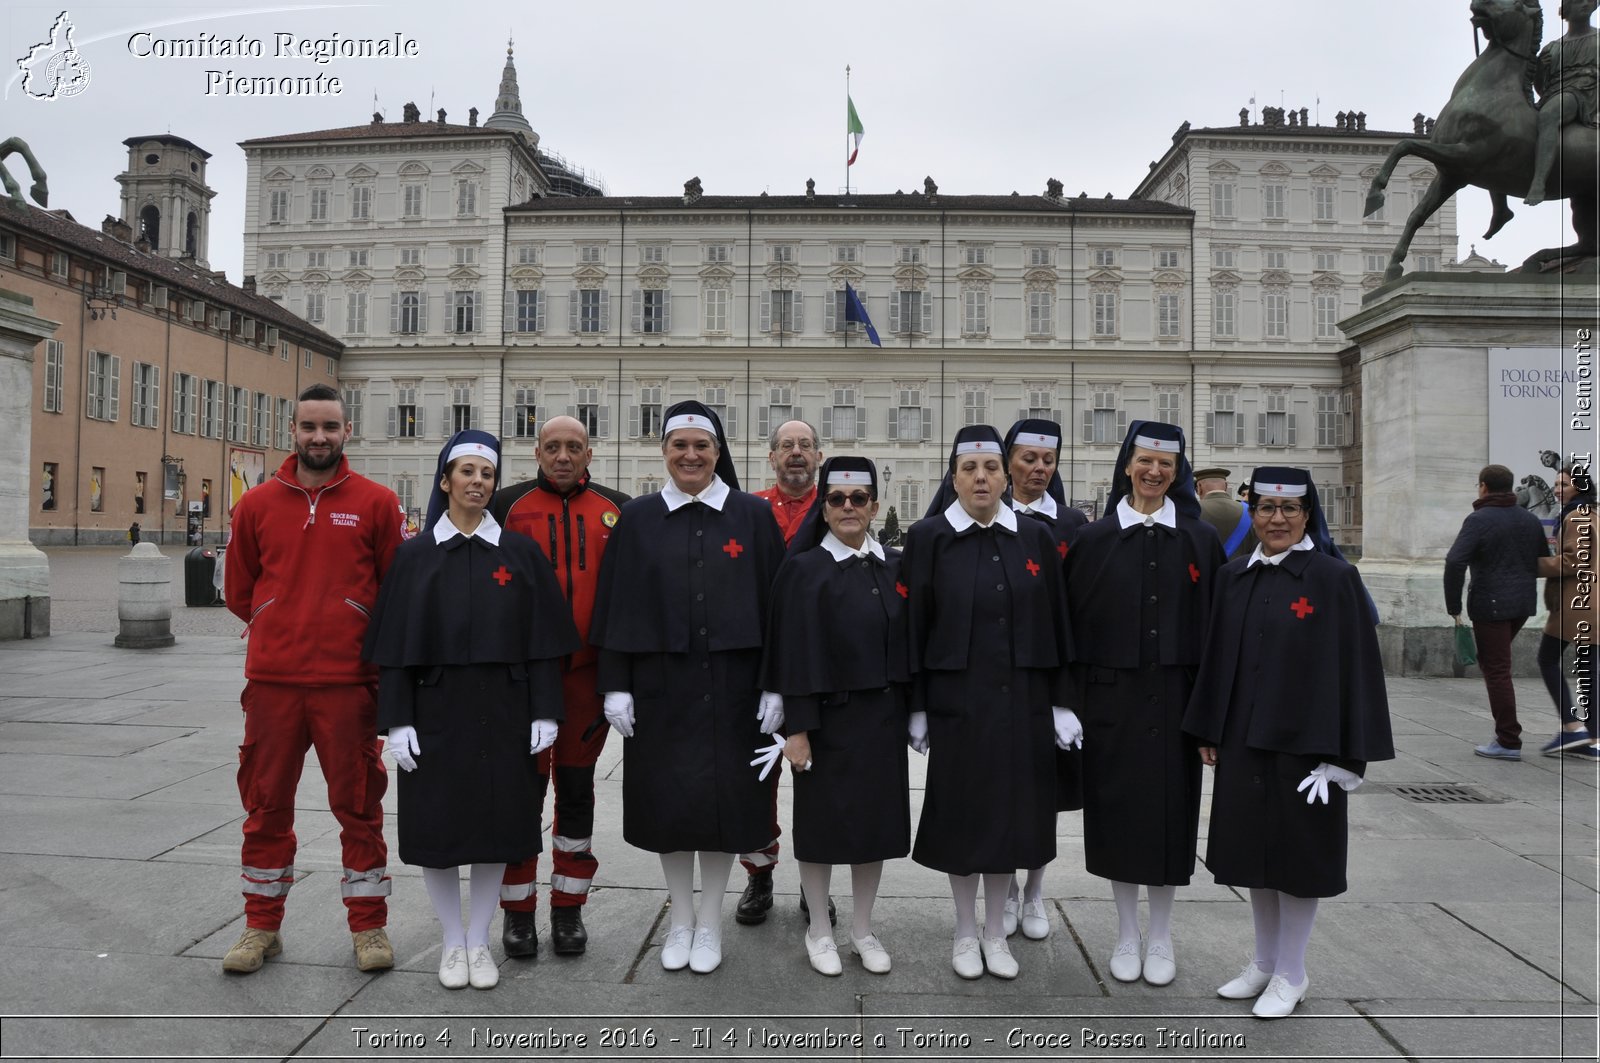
column 1139, row 585
column 836, row 652
column 468, row 635
column 1033, row 452
column 989, row 643
column 680, row 616
column 1289, row 708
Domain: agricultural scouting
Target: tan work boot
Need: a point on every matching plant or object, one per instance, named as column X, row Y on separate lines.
column 253, row 949
column 373, row 951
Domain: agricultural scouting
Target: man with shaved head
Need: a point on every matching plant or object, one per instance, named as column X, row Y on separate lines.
column 570, row 517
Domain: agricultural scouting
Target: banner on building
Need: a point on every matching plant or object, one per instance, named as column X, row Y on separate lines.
column 1529, row 429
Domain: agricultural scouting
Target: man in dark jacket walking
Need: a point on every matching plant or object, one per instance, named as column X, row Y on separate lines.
column 1500, row 543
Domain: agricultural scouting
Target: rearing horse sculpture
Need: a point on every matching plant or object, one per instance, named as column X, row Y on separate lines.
column 41, row 186
column 1486, row 135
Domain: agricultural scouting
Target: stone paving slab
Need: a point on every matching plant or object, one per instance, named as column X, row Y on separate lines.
column 103, row 828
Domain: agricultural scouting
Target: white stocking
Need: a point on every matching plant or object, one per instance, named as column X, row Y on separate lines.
column 814, row 881
column 864, row 879
column 1295, row 914
column 678, row 869
column 714, row 871
column 1126, row 894
column 994, row 903
column 1161, row 898
column 1034, row 890
column 444, row 890
column 964, row 890
column 1264, row 912
column 484, row 900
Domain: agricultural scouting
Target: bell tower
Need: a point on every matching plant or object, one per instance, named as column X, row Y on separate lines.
column 165, row 198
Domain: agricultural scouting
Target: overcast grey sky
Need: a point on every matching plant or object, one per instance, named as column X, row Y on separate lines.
column 985, row 97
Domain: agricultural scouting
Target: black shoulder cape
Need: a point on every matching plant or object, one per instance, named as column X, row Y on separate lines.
column 822, row 614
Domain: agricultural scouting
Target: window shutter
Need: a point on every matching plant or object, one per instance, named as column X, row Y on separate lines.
column 1294, row 428
column 1055, row 415
column 394, row 312
column 605, row 310
column 572, row 411
column 446, row 421
column 538, row 419
column 116, row 389
column 477, row 417
column 1211, row 428
column 732, row 427
column 422, row 422
column 604, row 423
column 633, row 418
column 666, row 311
column 894, row 311
column 572, row 310
column 1122, row 425
column 1238, row 429
column 927, row 422
column 797, row 322
column 831, row 319
column 861, row 422
column 638, row 314
column 177, row 400
column 224, row 320
column 507, row 422
column 796, row 414
column 1022, row 415
column 892, row 433
column 1261, row 429
column 422, row 312
column 826, row 429
column 766, row 311
column 154, row 417
column 538, row 315
column 927, row 314
column 763, row 417
column 508, row 312
column 1088, row 426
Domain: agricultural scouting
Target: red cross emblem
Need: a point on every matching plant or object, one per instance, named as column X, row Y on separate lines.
column 732, row 548
column 503, row 576
column 1194, row 573
column 902, row 590
column 1302, row 608
column 1061, row 548
column 1032, row 566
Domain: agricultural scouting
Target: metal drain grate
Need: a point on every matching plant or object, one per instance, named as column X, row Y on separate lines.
column 1430, row 793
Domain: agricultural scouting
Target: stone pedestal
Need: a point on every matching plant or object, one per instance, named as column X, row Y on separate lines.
column 24, row 571
column 1425, row 341
column 144, row 599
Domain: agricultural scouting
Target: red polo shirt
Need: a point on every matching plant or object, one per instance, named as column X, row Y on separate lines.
column 790, row 512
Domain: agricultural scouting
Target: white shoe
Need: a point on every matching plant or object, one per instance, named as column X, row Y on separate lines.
column 966, row 960
column 1159, row 966
column 453, row 968
column 1035, row 922
column 1248, row 985
column 824, row 955
column 706, row 953
column 1013, row 911
column 1125, row 964
column 997, row 957
column 481, row 969
column 1279, row 998
column 874, row 957
column 675, row 950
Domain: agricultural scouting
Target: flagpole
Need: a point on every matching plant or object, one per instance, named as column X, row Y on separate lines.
column 847, row 130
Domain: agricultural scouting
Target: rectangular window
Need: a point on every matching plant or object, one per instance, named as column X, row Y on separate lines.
column 648, row 424
column 648, row 485
column 411, row 256
column 1041, row 256
column 1225, row 426
column 60, row 263
column 716, row 304
column 909, row 254
column 1223, row 321
column 1169, row 322
column 778, row 409
column 1222, row 257
column 316, row 260
column 1169, row 406
column 407, row 415
column 239, row 415
column 1275, row 314
column 104, row 386
column 1273, row 258
column 97, row 489
column 1427, row 263
column 1328, row 419
column 591, row 254
column 975, row 405
column 718, row 254
column 261, row 429
column 1041, row 313
column 847, row 253
column 409, row 308
column 285, row 424
column 466, row 199
column 1326, row 261
column 1041, row 403
column 530, row 311
column 464, row 311
column 146, row 395
column 783, row 307
column 1322, row 203
column 411, row 200
column 361, row 203
column 185, row 400
column 355, row 313
column 1105, row 257
column 781, row 254
column 589, row 411
column 319, row 204
column 211, row 410
column 1222, row 196
column 527, row 256
column 405, row 489
column 354, row 395
column 591, row 316
column 1101, row 421
column 524, row 413
column 466, row 255
column 277, row 259
column 1327, row 315
column 278, row 206
column 910, row 500
column 975, row 312
column 907, row 311
column 1273, row 197
column 1275, row 427
column 1167, row 259
column 652, row 254
column 715, row 396
column 652, row 311
column 316, row 307
column 461, row 418
column 1376, row 263
column 839, row 421
column 55, row 367
column 48, row 481
column 1105, row 313
column 976, row 254
column 910, row 419
column 356, row 259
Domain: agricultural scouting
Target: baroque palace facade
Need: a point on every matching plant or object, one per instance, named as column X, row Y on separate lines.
column 476, row 281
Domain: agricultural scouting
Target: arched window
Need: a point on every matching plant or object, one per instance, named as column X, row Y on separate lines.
column 150, row 225
column 191, row 234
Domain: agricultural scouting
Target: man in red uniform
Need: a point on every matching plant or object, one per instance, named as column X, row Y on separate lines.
column 795, row 455
column 309, row 548
column 571, row 518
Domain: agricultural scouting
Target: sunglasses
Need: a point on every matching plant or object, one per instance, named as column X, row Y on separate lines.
column 859, row 499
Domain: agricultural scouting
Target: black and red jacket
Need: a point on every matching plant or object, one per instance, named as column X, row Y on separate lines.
column 572, row 530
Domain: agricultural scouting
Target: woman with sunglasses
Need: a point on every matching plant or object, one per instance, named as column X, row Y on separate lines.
column 1290, row 699
column 836, row 652
column 989, row 646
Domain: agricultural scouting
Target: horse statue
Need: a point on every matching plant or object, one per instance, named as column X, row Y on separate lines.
column 41, row 187
column 1487, row 134
column 1535, row 495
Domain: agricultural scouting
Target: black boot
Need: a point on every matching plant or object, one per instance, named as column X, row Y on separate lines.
column 520, row 935
column 756, row 899
column 567, row 935
column 805, row 910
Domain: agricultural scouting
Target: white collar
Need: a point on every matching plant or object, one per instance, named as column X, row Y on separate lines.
column 488, row 529
column 835, row 546
column 1258, row 557
column 1044, row 505
column 714, row 496
column 1127, row 516
column 961, row 520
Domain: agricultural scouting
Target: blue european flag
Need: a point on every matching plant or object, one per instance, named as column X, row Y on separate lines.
column 856, row 310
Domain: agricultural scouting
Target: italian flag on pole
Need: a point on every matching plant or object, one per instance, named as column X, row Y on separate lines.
column 855, row 130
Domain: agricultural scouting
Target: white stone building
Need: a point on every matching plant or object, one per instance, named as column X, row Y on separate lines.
column 480, row 283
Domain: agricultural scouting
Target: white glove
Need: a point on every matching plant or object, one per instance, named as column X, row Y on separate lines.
column 402, row 743
column 1069, row 732
column 544, row 735
column 917, row 732
column 770, row 712
column 618, row 706
column 767, row 756
column 1315, row 785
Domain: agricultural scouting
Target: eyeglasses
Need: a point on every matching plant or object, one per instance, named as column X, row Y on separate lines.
column 859, row 499
column 793, row 444
column 1290, row 510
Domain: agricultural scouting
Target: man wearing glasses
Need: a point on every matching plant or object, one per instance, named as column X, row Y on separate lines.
column 795, row 455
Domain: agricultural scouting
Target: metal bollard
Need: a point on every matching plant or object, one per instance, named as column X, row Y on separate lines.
column 144, row 599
